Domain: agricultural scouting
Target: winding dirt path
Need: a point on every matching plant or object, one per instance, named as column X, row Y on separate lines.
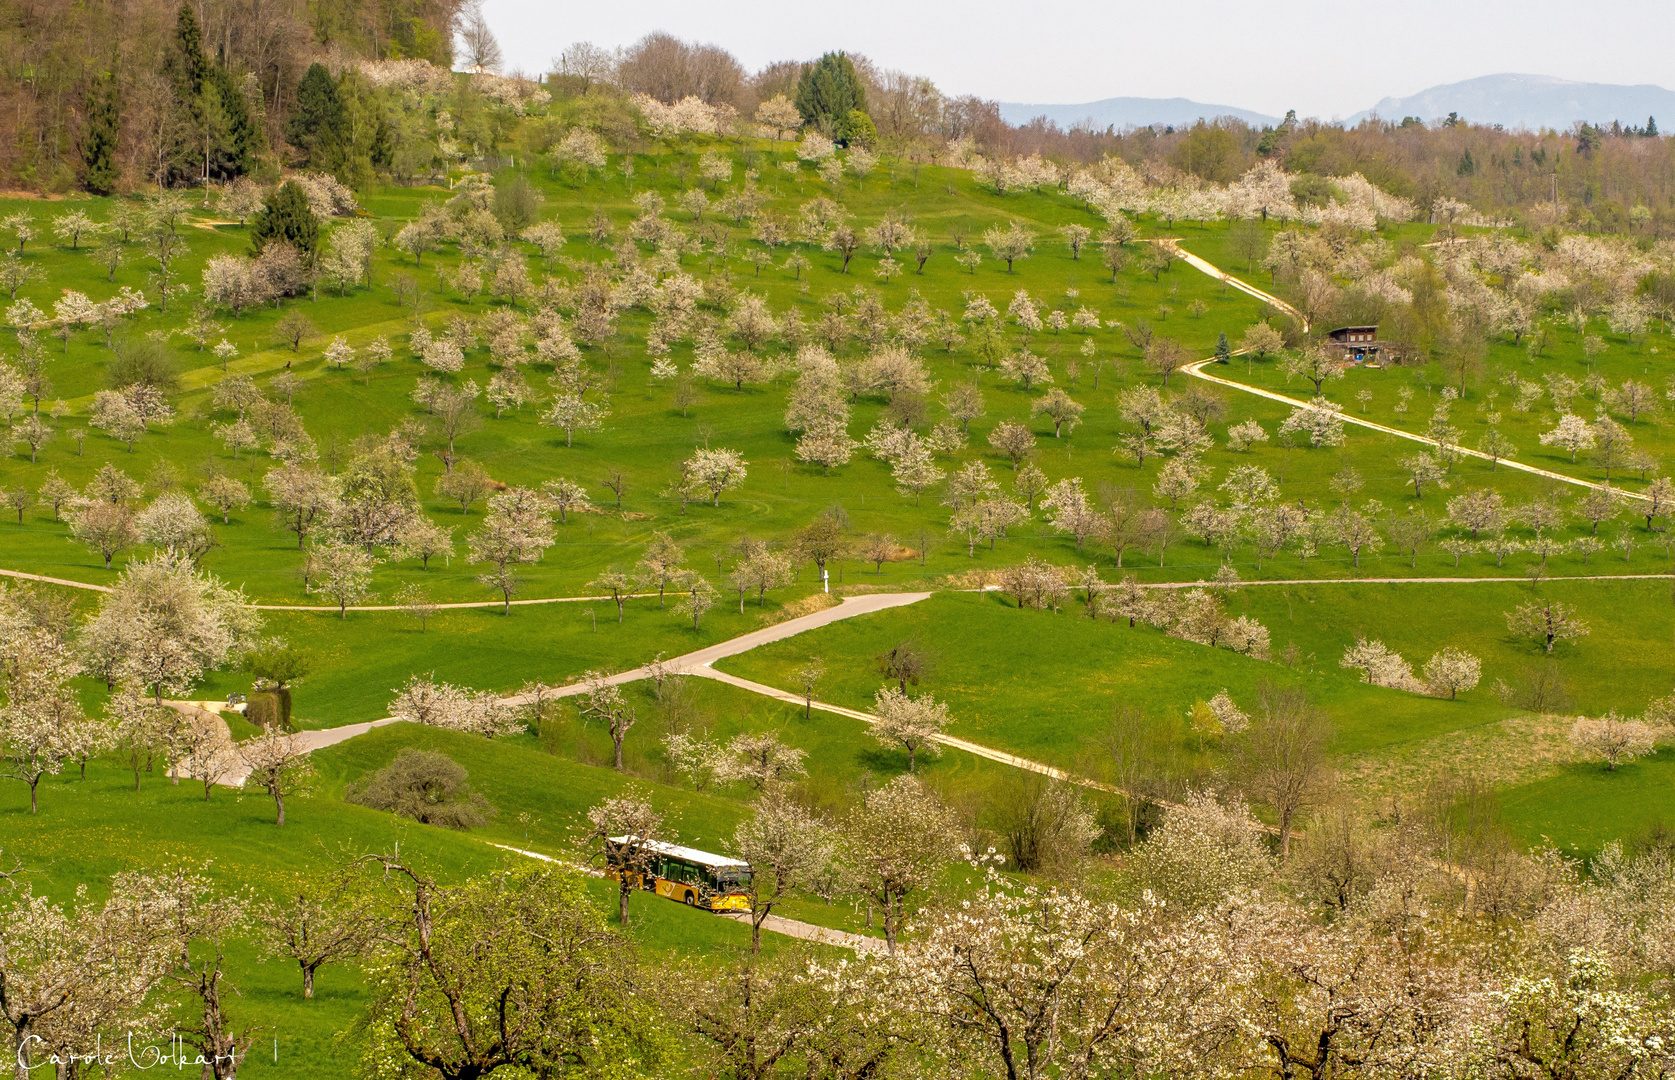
column 66, row 582
column 1197, row 371
column 1206, row 267
column 976, row 749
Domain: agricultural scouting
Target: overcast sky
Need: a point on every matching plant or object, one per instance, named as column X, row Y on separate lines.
column 1326, row 59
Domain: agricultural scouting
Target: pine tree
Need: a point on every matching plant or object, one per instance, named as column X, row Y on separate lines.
column 828, row 92
column 287, row 216
column 191, row 64
column 320, row 124
column 1223, row 350
column 232, row 141
column 98, row 140
column 382, row 151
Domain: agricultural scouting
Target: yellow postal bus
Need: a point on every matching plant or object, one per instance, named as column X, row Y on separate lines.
column 695, row 878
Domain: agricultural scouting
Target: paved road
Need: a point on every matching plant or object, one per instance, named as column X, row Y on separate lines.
column 795, row 928
column 315, row 739
column 697, row 661
column 848, row 608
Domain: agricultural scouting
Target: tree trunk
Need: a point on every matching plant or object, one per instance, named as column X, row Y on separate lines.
column 279, row 801
column 20, row 1047
column 308, row 980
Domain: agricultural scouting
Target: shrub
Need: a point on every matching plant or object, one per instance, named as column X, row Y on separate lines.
column 1045, row 825
column 425, row 786
column 265, row 710
column 141, row 359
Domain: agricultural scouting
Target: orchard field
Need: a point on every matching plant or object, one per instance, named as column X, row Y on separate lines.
column 693, row 291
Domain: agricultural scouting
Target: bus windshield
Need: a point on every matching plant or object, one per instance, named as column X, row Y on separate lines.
column 732, row 880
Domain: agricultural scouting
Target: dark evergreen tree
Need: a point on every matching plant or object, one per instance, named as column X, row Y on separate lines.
column 1223, row 349
column 382, row 151
column 828, row 92
column 98, row 139
column 319, row 126
column 190, row 63
column 186, row 134
column 286, row 216
column 231, row 137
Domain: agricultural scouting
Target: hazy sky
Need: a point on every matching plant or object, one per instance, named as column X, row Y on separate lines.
column 1321, row 58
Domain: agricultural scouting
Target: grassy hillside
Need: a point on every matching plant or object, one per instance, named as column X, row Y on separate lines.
column 645, row 437
column 1034, row 683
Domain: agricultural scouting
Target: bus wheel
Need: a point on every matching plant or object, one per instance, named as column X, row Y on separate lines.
column 690, row 901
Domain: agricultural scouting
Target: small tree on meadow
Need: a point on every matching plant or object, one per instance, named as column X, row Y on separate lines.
column 914, row 724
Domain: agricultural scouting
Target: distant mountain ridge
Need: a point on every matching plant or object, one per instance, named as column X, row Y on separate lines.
column 1123, row 112
column 1511, row 100
column 1530, row 101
